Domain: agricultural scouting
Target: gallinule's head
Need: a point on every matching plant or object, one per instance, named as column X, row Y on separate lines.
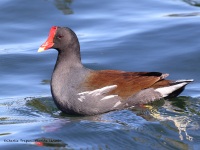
column 61, row 39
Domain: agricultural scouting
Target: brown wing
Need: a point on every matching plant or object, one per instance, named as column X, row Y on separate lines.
column 128, row 83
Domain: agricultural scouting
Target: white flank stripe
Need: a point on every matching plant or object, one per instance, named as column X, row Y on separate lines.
column 82, row 93
column 165, row 91
column 103, row 90
column 117, row 104
column 81, row 98
column 108, row 97
column 99, row 91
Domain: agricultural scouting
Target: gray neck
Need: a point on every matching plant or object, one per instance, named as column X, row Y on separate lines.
column 69, row 54
column 66, row 61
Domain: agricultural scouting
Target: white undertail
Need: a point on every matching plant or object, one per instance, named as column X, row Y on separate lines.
column 165, row 91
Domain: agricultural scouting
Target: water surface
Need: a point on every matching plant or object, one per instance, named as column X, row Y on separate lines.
column 123, row 35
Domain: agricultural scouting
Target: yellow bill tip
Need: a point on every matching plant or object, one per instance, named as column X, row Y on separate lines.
column 41, row 49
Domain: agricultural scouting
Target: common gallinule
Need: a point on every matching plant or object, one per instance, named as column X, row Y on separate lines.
column 79, row 90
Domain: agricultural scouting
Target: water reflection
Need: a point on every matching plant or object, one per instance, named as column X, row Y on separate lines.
column 193, row 2
column 174, row 111
column 177, row 111
column 139, row 124
column 181, row 122
column 184, row 14
column 64, row 6
column 42, row 104
column 50, row 142
column 45, row 82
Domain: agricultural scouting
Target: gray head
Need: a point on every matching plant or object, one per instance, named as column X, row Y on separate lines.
column 63, row 39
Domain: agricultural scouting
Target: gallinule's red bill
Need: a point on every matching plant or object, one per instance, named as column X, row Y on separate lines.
column 79, row 90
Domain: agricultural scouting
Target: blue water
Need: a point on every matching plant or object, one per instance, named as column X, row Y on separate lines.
column 124, row 35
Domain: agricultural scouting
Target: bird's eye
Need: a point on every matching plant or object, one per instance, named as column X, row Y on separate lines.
column 59, row 36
